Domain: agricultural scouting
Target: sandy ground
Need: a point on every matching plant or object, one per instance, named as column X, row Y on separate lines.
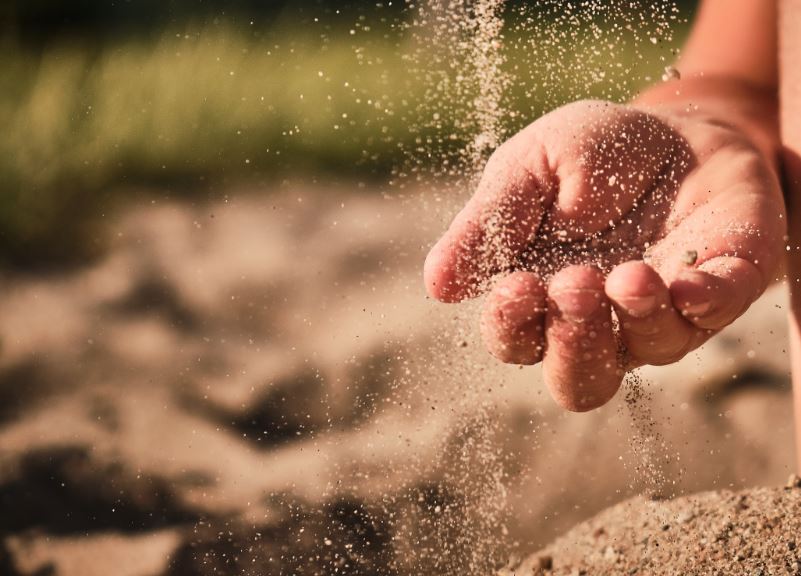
column 258, row 385
column 754, row 531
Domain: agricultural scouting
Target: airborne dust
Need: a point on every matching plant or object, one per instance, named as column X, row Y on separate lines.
column 457, row 521
column 461, row 48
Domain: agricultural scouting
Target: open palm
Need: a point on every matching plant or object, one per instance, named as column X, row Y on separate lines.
column 673, row 220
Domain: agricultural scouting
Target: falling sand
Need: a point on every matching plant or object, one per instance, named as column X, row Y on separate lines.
column 468, row 39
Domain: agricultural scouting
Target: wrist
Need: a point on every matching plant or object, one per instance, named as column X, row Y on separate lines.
column 750, row 108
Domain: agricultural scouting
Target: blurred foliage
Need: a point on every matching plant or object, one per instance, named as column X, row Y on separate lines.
column 184, row 105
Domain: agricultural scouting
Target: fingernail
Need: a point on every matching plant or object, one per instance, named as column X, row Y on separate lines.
column 639, row 306
column 520, row 311
column 577, row 305
column 691, row 294
column 698, row 309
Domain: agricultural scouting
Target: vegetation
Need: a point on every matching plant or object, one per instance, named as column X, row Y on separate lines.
column 85, row 124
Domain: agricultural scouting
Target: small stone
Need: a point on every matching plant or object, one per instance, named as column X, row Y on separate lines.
column 670, row 73
column 791, row 545
column 794, row 481
column 545, row 562
column 690, row 257
column 725, row 532
column 462, row 343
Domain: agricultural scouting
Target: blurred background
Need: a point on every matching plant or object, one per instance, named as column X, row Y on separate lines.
column 216, row 355
column 99, row 99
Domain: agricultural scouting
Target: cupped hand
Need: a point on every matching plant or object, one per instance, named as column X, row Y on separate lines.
column 609, row 237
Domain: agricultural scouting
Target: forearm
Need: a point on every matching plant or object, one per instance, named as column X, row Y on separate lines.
column 792, row 172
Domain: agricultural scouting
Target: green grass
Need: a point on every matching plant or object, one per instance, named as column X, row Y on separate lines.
column 82, row 124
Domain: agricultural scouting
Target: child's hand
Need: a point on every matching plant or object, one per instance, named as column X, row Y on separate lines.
column 672, row 219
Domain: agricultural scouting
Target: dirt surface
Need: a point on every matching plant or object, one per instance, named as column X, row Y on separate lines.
column 755, row 531
column 258, row 385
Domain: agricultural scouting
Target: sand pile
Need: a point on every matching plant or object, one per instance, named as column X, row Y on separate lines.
column 755, row 531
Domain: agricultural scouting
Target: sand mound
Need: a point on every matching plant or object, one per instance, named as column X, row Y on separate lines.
column 755, row 531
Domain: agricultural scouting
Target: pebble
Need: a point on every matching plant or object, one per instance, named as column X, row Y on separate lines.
column 690, row 257
column 610, row 554
column 545, row 562
column 671, row 73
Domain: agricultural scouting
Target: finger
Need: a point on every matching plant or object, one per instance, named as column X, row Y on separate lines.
column 717, row 292
column 513, row 320
column 651, row 328
column 495, row 225
column 724, row 249
column 731, row 207
column 580, row 365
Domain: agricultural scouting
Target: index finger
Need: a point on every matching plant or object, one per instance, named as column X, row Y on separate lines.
column 495, row 226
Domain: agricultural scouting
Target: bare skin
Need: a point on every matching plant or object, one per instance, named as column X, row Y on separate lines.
column 790, row 55
column 667, row 211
